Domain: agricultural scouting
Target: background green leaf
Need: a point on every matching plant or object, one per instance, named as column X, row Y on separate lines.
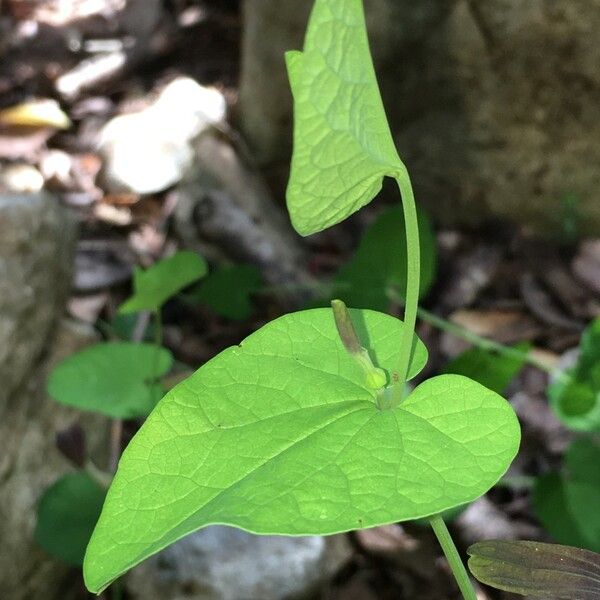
column 155, row 285
column 566, row 502
column 342, row 143
column 491, row 369
column 550, row 506
column 282, row 435
column 537, row 570
column 113, row 378
column 228, row 291
column 379, row 262
column 575, row 398
column 67, row 514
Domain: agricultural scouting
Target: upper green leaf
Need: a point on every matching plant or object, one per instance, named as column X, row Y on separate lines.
column 251, row 435
column 379, row 263
column 342, row 143
column 491, row 369
column 562, row 501
column 67, row 514
column 112, row 378
column 537, row 570
column 154, row 286
column 575, row 397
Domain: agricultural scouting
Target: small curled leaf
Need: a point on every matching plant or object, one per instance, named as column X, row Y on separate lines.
column 375, row 377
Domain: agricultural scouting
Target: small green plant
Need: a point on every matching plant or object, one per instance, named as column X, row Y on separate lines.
column 562, row 499
column 307, row 427
column 116, row 379
column 575, row 396
column 565, row 501
column 67, row 514
column 120, row 380
column 154, row 286
column 228, row 291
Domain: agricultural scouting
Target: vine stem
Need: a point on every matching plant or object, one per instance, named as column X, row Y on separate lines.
column 485, row 343
column 411, row 308
column 158, row 340
column 413, row 276
column 453, row 558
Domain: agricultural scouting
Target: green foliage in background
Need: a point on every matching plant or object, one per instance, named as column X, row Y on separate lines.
column 567, row 502
column 228, row 291
column 379, row 263
column 575, row 397
column 155, row 285
column 67, row 514
column 116, row 379
column 493, row 370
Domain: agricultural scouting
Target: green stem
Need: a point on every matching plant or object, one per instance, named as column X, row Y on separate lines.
column 484, row 343
column 413, row 275
column 411, row 307
column 158, row 340
column 453, row 558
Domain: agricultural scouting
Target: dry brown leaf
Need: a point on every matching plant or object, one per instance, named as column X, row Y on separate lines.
column 504, row 325
column 387, row 539
column 42, row 112
column 121, row 199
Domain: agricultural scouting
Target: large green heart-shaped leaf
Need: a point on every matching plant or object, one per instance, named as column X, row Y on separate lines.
column 282, row 435
column 113, row 378
column 342, row 143
column 155, row 285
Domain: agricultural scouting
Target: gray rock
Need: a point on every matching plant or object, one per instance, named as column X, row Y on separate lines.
column 36, row 240
column 494, row 103
column 36, row 253
column 508, row 125
column 222, row 563
column 30, row 463
column 225, row 211
column 20, row 178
